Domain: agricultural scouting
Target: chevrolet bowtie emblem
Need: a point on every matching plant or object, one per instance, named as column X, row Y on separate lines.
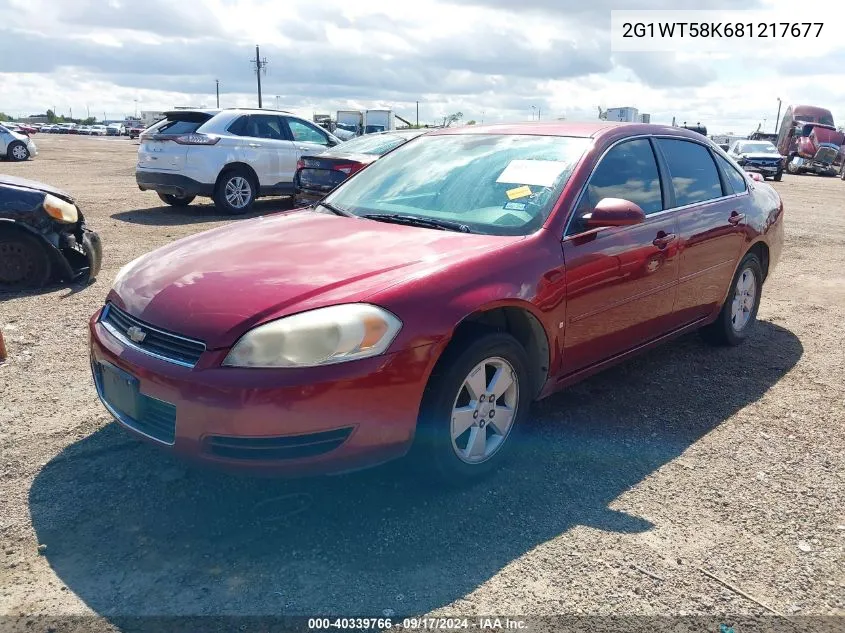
column 136, row 334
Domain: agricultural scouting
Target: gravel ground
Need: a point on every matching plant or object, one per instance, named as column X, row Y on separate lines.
column 628, row 487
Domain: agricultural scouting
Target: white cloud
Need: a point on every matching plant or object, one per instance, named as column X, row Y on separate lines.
column 490, row 59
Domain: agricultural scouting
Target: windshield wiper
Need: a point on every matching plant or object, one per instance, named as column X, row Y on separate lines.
column 332, row 208
column 413, row 220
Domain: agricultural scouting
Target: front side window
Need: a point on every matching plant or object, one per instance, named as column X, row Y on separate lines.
column 694, row 175
column 497, row 184
column 627, row 171
column 304, row 133
column 735, row 179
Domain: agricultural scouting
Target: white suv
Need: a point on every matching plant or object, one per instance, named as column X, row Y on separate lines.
column 233, row 155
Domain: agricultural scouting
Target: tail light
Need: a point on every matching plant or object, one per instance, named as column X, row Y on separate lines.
column 196, row 139
column 349, row 168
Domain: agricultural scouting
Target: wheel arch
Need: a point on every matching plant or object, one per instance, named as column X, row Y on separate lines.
column 238, row 165
column 520, row 322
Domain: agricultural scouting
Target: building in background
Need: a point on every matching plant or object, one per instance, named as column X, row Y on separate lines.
column 148, row 117
column 645, row 118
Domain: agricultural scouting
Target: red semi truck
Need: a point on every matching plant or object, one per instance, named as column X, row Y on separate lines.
column 809, row 142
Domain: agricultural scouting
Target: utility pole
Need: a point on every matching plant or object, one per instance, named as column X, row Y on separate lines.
column 217, row 82
column 260, row 66
column 777, row 120
column 418, row 113
column 538, row 113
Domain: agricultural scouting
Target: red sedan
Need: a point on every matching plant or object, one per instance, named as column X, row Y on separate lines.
column 428, row 300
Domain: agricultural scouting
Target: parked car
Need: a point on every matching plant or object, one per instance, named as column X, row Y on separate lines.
column 759, row 156
column 43, row 236
column 97, row 130
column 432, row 296
column 116, row 129
column 83, row 129
column 16, row 146
column 135, row 131
column 232, row 156
column 317, row 174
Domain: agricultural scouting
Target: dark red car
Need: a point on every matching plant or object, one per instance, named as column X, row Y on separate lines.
column 428, row 300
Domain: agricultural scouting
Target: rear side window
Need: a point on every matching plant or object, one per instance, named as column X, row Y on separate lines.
column 735, row 179
column 693, row 172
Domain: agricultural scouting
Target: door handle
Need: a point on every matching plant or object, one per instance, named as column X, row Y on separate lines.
column 662, row 241
column 736, row 218
column 255, row 144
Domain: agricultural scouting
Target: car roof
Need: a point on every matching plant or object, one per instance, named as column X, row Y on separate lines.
column 215, row 111
column 584, row 129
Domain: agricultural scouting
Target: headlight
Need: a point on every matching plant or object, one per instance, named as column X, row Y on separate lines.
column 319, row 337
column 60, row 210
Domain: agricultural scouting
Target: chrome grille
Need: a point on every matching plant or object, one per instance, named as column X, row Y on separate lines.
column 155, row 342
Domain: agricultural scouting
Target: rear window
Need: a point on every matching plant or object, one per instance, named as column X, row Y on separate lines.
column 377, row 144
column 176, row 124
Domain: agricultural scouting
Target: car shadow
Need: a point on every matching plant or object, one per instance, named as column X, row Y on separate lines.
column 72, row 288
column 198, row 213
column 133, row 532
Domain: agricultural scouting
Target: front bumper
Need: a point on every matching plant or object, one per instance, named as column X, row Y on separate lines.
column 172, row 184
column 289, row 422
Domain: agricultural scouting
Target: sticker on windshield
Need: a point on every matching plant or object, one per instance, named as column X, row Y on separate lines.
column 519, row 192
column 540, row 173
column 515, row 206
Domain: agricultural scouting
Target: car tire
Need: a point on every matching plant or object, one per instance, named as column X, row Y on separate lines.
column 24, row 262
column 453, row 456
column 235, row 191
column 778, row 176
column 176, row 201
column 17, row 151
column 842, row 169
column 738, row 315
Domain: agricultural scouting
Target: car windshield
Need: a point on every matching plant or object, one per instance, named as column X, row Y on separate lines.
column 758, row 148
column 376, row 144
column 497, row 184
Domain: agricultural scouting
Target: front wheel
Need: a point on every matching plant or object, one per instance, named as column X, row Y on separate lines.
column 17, row 151
column 24, row 263
column 778, row 176
column 842, row 170
column 472, row 408
column 176, row 201
column 738, row 316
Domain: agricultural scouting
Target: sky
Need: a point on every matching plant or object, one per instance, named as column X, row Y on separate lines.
column 492, row 60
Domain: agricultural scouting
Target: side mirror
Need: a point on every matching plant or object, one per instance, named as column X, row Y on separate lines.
column 332, row 142
column 755, row 176
column 615, row 212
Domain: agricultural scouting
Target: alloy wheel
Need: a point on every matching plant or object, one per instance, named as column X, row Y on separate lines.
column 484, row 410
column 19, row 152
column 238, row 192
column 745, row 295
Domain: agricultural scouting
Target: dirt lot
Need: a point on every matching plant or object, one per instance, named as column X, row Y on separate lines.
column 629, row 485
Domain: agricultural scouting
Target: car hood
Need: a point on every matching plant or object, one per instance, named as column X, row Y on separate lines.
column 215, row 285
column 35, row 185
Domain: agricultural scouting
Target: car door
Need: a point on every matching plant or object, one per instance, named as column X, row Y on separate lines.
column 620, row 281
column 711, row 225
column 307, row 139
column 264, row 147
column 5, row 137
